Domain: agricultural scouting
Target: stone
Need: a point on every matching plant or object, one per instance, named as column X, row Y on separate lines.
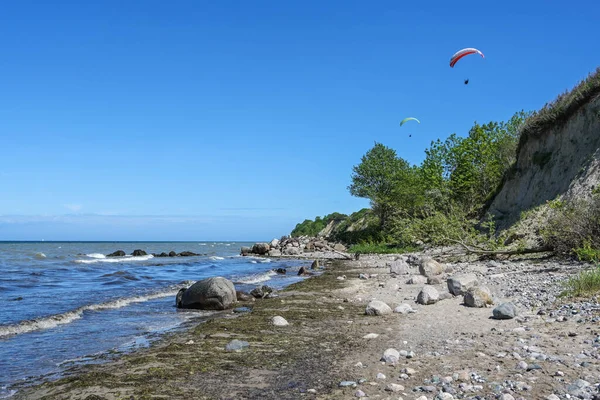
column 478, row 296
column 347, row 383
column 274, row 243
column 434, row 280
column 390, row 356
column 505, row 311
column 236, row 345
column 138, row 253
column 429, row 267
column 279, row 321
column 216, row 293
column 398, row 267
column 404, row 309
column 459, row 284
column 261, row 248
column 371, row 336
column 377, row 307
column 428, row 295
column 360, row 393
column 417, row 280
column 394, row 387
column 315, row 265
column 380, row 376
column 118, row 253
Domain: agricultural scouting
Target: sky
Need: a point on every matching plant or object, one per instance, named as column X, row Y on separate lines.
column 235, row 120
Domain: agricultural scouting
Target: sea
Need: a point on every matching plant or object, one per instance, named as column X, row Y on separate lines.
column 64, row 304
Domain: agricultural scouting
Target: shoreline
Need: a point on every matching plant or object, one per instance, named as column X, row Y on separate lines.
column 451, row 347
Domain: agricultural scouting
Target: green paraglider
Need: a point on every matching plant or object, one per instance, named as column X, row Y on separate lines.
column 409, row 119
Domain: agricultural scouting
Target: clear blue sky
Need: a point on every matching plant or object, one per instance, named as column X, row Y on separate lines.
column 232, row 120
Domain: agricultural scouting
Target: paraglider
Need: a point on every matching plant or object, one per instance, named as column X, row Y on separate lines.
column 409, row 119
column 462, row 53
column 466, row 81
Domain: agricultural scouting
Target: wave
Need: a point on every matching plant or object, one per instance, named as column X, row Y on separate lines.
column 40, row 256
column 115, row 259
column 215, row 258
column 257, row 278
column 95, row 255
column 70, row 316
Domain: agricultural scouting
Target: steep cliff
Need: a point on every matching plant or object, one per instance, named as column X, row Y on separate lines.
column 558, row 154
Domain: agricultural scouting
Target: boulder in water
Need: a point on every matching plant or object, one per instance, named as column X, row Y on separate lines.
column 216, row 293
column 138, row 252
column 118, row 253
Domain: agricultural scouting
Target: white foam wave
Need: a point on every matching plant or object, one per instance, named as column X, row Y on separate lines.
column 40, row 255
column 115, row 259
column 264, row 261
column 70, row 316
column 215, row 258
column 253, row 279
column 95, row 255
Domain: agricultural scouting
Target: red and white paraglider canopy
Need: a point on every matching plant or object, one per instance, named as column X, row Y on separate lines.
column 464, row 52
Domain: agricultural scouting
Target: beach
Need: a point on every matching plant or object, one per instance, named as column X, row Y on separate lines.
column 332, row 349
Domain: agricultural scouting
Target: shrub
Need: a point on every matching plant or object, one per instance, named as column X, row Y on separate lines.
column 574, row 227
column 585, row 283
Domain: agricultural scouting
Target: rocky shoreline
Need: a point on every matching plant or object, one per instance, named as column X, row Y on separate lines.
column 363, row 328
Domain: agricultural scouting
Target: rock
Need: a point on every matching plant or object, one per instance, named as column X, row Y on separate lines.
column 459, row 284
column 478, row 296
column 371, row 336
column 446, row 296
column 434, row 280
column 236, row 345
column 552, row 397
column 377, row 307
column 261, row 248
column 394, row 387
column 245, row 251
column 118, row 253
column 360, row 393
column 179, row 297
column 138, row 252
column 187, row 254
column 409, row 371
column 380, row 376
column 506, row 396
column 398, row 267
column 428, row 295
column 282, row 271
column 444, row 396
column 172, row 254
column 347, row 383
column 391, row 356
column 404, row 309
column 315, row 265
column 216, row 293
column 339, row 247
column 279, row 321
column 429, row 267
column 303, row 271
column 274, row 253
column 417, row 280
column 274, row 243
column 291, row 251
column 363, row 276
column 243, row 296
column 261, row 292
column 505, row 311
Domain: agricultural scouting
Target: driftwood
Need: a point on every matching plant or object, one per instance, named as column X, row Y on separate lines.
column 346, row 255
column 479, row 250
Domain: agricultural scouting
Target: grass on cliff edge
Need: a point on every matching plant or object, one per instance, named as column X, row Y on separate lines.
column 379, row 248
column 585, row 283
column 560, row 110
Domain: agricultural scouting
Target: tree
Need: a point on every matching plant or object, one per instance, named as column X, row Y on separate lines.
column 376, row 178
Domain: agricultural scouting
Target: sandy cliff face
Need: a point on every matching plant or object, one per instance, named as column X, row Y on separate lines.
column 561, row 161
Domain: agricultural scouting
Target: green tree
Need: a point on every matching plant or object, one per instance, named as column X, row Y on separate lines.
column 377, row 178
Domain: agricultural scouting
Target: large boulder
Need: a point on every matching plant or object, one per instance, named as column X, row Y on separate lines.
column 339, row 247
column 429, row 267
column 478, row 296
column 261, row 248
column 505, row 311
column 216, row 293
column 377, row 307
column 428, row 295
column 245, row 251
column 459, row 284
column 398, row 267
column 292, row 251
column 274, row 253
column 118, row 253
column 138, row 252
column 274, row 243
column 188, row 254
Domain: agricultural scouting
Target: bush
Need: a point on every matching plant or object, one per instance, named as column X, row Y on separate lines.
column 379, row 248
column 574, row 228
